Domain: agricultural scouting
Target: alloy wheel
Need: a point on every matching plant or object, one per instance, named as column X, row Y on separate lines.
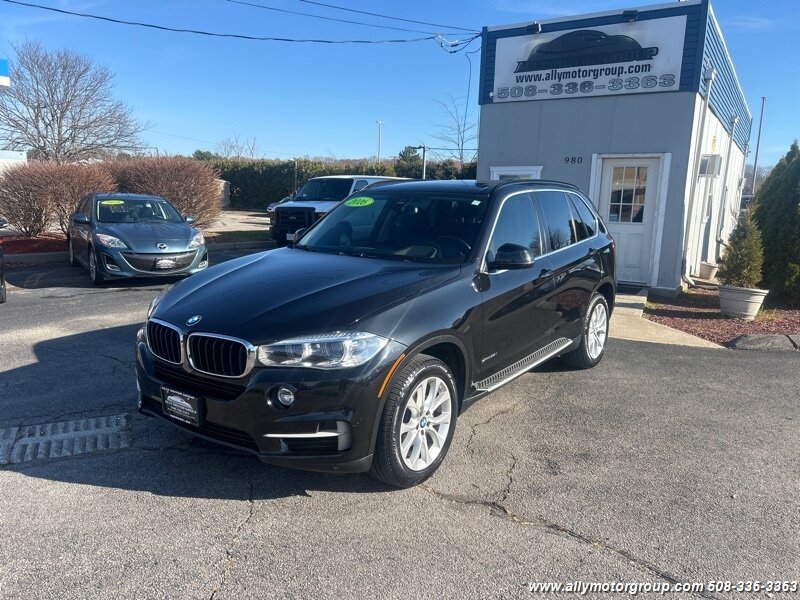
column 92, row 265
column 427, row 417
column 597, row 331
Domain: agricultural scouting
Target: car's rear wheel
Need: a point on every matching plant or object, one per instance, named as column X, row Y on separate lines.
column 417, row 424
column 594, row 336
column 94, row 269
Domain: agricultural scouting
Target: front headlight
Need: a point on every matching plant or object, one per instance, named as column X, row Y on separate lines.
column 110, row 241
column 325, row 351
column 197, row 241
column 157, row 300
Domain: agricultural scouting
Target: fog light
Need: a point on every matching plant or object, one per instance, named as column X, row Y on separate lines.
column 285, row 396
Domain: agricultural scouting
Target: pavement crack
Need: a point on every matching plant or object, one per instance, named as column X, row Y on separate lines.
column 229, row 551
column 499, row 510
column 473, row 428
column 792, row 342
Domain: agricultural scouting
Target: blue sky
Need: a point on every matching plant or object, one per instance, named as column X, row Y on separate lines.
column 324, row 100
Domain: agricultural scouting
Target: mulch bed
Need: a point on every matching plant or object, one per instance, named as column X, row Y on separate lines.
column 697, row 312
column 46, row 242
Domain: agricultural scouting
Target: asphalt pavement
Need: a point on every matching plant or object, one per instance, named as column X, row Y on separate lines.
column 663, row 464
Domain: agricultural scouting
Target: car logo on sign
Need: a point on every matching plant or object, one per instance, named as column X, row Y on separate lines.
column 193, row 320
column 161, row 246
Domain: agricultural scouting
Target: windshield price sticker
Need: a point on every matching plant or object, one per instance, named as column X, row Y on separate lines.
column 360, row 201
column 112, row 202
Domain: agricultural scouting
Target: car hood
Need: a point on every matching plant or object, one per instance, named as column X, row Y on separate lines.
column 317, row 205
column 143, row 237
column 287, row 292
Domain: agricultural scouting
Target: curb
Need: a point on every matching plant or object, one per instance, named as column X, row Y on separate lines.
column 46, row 258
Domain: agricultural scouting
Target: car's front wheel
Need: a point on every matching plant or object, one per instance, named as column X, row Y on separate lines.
column 72, row 260
column 94, row 269
column 594, row 337
column 417, row 424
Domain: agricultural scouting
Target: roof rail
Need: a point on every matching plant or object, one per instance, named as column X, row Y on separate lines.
column 538, row 182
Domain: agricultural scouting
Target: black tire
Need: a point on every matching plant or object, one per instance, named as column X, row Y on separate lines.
column 94, row 274
column 71, row 253
column 581, row 357
column 388, row 465
column 3, row 293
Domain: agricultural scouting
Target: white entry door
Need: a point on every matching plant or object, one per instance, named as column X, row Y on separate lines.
column 627, row 203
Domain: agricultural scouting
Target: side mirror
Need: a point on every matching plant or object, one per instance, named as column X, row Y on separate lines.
column 80, row 219
column 295, row 237
column 190, row 219
column 512, row 256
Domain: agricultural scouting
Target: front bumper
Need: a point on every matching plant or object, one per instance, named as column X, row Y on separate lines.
column 116, row 263
column 242, row 413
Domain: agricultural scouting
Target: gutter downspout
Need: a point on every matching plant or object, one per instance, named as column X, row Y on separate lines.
column 723, row 201
column 709, row 75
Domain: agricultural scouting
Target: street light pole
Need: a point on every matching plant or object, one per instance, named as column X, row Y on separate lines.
column 758, row 144
column 380, row 125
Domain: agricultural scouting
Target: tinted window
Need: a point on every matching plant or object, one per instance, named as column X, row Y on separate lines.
column 586, row 222
column 557, row 218
column 325, row 189
column 517, row 224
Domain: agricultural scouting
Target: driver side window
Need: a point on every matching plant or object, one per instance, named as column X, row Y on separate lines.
column 518, row 224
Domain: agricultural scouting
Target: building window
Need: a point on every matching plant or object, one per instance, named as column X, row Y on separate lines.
column 628, row 187
column 503, row 173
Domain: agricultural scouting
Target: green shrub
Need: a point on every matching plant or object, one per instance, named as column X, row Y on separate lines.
column 191, row 185
column 743, row 256
column 778, row 215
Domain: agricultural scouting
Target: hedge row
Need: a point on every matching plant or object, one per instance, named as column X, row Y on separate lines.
column 256, row 183
column 38, row 195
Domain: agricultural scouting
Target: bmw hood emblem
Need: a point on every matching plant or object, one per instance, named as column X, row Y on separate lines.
column 193, row 320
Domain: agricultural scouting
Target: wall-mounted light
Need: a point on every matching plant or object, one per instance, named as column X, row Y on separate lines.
column 631, row 15
column 534, row 27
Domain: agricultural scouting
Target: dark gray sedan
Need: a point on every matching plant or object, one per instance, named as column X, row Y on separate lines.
column 134, row 235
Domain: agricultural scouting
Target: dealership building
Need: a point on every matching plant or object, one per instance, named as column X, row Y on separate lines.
column 642, row 110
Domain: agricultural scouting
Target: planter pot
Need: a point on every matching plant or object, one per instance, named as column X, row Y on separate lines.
column 708, row 270
column 742, row 303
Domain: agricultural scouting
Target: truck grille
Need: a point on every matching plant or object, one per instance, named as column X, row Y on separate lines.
column 149, row 262
column 219, row 356
column 294, row 218
column 164, row 342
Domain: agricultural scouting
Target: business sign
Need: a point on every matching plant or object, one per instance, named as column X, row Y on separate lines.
column 626, row 58
column 4, row 79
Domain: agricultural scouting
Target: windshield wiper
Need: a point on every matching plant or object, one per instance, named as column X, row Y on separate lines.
column 303, row 247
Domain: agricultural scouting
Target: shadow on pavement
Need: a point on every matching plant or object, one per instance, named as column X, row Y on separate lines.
column 92, row 374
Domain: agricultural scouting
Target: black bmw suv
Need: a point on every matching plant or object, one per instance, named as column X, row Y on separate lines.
column 356, row 348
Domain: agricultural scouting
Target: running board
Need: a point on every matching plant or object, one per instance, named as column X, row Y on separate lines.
column 522, row 366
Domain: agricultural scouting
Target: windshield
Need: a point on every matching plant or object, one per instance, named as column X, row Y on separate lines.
column 325, row 189
column 138, row 210
column 394, row 224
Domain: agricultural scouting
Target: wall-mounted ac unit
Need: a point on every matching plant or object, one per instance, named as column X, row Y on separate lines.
column 710, row 165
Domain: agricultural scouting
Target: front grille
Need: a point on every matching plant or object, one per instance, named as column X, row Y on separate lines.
column 197, row 386
column 149, row 262
column 164, row 342
column 217, row 356
column 294, row 218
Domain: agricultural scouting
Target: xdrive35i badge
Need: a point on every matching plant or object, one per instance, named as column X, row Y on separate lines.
column 193, row 320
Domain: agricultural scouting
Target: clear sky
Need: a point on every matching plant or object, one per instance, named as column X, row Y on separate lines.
column 324, row 100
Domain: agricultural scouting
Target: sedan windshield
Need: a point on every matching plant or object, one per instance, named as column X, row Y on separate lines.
column 394, row 224
column 325, row 189
column 136, row 210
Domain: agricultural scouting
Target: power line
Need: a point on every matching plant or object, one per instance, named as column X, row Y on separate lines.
column 372, row 14
column 212, row 33
column 324, row 18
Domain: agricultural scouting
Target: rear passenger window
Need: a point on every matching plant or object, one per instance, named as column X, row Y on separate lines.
column 585, row 222
column 518, row 224
column 558, row 219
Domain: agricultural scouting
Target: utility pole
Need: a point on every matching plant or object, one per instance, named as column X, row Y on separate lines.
column 758, row 144
column 380, row 125
column 295, row 174
column 424, row 160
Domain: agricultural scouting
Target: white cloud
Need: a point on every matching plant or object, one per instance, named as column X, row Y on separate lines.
column 757, row 24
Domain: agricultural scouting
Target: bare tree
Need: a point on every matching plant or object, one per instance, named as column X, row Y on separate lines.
column 458, row 135
column 235, row 147
column 763, row 172
column 60, row 106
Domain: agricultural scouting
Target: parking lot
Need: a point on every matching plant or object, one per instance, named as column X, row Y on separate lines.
column 663, row 464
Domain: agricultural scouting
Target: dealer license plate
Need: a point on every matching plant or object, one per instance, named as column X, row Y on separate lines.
column 181, row 406
column 165, row 263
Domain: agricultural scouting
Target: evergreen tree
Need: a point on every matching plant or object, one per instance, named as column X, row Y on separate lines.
column 743, row 256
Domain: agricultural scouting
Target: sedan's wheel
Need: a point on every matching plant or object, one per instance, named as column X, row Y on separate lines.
column 94, row 270
column 418, row 423
column 595, row 334
column 2, row 291
column 71, row 250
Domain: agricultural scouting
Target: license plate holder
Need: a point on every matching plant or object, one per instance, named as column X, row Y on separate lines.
column 180, row 406
column 165, row 263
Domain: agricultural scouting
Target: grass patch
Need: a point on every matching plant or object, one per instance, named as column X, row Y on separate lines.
column 224, row 237
column 768, row 316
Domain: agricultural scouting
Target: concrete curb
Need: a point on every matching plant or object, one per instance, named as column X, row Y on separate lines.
column 46, row 258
